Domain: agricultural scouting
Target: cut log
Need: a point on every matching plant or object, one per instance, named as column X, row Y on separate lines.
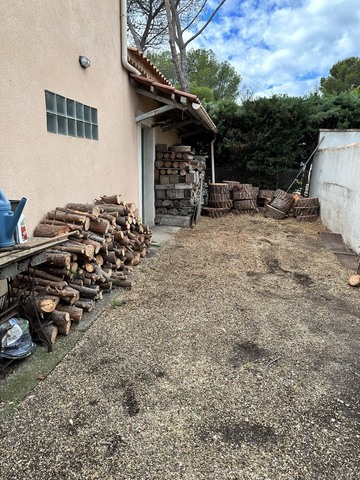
column 76, row 212
column 85, row 304
column 354, row 280
column 46, row 275
column 71, row 226
column 56, row 271
column 86, row 292
column 100, row 226
column 85, row 207
column 75, row 313
column 115, row 199
column 88, row 267
column 51, row 332
column 62, row 321
column 121, row 209
column 106, row 286
column 109, row 217
column 96, row 245
column 69, row 218
column 272, row 212
column 68, row 294
column 50, row 231
column 121, row 283
column 62, row 259
column 71, row 248
column 42, row 282
column 46, row 303
column 94, row 236
column 99, row 271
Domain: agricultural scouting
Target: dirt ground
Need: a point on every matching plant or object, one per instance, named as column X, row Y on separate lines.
column 234, row 357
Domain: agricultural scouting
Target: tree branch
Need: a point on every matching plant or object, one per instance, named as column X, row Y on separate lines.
column 207, row 23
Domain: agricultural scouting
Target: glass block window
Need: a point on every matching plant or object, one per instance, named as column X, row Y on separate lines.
column 65, row 116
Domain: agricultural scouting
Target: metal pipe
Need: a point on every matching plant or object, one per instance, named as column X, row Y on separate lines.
column 123, row 39
column 212, row 160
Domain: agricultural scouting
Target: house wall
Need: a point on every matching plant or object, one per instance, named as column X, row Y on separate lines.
column 335, row 180
column 40, row 43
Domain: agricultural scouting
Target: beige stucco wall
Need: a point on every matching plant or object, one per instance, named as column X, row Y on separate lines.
column 40, row 42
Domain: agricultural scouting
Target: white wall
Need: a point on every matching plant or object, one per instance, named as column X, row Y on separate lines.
column 335, row 179
column 338, row 138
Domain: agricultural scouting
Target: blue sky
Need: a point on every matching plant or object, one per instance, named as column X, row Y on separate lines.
column 283, row 46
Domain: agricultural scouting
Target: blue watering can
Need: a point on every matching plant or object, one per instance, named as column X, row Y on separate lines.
column 9, row 220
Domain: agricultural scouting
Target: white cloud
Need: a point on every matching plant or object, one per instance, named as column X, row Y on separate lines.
column 283, row 46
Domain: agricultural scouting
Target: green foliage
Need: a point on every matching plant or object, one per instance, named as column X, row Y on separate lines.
column 344, row 77
column 334, row 111
column 209, row 79
column 205, row 93
column 206, row 70
column 164, row 63
column 265, row 136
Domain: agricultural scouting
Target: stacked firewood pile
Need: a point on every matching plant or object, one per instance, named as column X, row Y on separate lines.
column 178, row 176
column 105, row 241
column 242, row 198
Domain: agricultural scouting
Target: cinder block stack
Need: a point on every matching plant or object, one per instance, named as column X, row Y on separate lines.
column 178, row 177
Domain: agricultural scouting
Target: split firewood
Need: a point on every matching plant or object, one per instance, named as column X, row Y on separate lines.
column 354, row 280
column 62, row 321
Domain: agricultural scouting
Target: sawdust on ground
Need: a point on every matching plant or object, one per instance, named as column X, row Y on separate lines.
column 234, row 357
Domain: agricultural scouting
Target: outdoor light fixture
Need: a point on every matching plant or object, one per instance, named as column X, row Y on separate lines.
column 84, row 62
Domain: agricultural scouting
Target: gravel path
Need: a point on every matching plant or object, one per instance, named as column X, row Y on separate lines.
column 234, row 357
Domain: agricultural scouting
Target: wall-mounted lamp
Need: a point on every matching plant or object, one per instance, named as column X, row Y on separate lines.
column 84, row 62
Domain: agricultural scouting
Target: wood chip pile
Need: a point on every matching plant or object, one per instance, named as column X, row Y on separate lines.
column 106, row 240
column 242, row 198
